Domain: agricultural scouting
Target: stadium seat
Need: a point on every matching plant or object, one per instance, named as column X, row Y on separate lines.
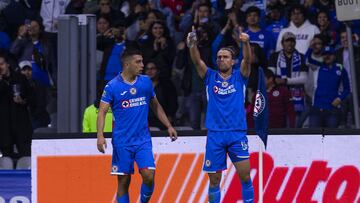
column 183, row 128
column 6, row 163
column 24, row 163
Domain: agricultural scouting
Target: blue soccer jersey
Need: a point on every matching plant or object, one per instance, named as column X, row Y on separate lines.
column 264, row 39
column 226, row 101
column 130, row 106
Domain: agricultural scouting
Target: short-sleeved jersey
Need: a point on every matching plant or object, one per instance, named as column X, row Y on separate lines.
column 226, row 101
column 130, row 106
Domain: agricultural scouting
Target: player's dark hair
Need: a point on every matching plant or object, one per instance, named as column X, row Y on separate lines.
column 129, row 53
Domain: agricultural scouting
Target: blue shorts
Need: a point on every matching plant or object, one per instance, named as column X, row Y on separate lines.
column 123, row 158
column 218, row 144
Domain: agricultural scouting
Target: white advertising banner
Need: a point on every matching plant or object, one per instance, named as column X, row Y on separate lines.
column 297, row 168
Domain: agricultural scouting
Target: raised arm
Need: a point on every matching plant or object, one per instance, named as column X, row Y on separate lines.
column 245, row 67
column 160, row 114
column 101, row 142
column 195, row 54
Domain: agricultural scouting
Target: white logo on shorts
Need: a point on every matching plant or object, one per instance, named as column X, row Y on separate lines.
column 114, row 168
column 244, row 145
column 207, row 163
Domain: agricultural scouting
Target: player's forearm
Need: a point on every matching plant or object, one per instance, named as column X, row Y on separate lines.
column 160, row 113
column 100, row 123
column 195, row 55
column 246, row 61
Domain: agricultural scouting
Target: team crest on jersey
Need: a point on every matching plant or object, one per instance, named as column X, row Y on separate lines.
column 207, row 163
column 133, row 91
column 261, row 36
column 114, row 168
column 216, row 89
column 224, row 84
column 259, row 103
column 338, row 72
column 276, row 93
column 125, row 104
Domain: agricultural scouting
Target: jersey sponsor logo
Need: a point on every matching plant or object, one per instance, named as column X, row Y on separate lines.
column 140, row 101
column 228, row 89
column 259, row 103
column 216, row 89
column 133, row 91
column 125, row 104
column 276, row 93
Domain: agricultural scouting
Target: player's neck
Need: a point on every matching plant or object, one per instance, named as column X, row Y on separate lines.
column 128, row 77
column 226, row 74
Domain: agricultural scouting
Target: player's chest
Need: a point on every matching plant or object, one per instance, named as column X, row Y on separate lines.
column 224, row 88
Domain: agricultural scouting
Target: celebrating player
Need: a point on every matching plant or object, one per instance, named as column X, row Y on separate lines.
column 225, row 117
column 129, row 95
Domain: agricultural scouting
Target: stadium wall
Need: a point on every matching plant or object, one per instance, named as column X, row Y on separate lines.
column 308, row 167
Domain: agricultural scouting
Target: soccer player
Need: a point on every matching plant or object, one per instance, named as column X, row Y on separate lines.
column 129, row 95
column 225, row 117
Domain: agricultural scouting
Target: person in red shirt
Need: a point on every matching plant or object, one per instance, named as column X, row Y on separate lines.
column 281, row 108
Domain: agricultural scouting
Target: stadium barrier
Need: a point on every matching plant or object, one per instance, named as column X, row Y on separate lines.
column 303, row 165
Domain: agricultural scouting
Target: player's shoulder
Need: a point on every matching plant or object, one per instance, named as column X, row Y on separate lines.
column 144, row 78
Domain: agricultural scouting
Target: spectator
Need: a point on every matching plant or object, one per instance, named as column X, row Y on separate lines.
column 50, row 12
column 256, row 34
column 159, row 47
column 290, row 70
column 228, row 37
column 31, row 45
column 343, row 57
column 75, row 7
column 275, row 21
column 111, row 64
column 39, row 115
column 114, row 15
column 302, row 28
column 329, row 33
column 90, row 117
column 281, row 108
column 328, row 96
column 15, row 125
column 166, row 94
column 198, row 15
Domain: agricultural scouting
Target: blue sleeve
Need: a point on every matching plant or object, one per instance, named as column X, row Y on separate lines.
column 310, row 60
column 107, row 95
column 186, row 22
column 346, row 84
column 215, row 46
column 208, row 74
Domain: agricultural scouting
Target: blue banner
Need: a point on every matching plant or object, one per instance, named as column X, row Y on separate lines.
column 15, row 186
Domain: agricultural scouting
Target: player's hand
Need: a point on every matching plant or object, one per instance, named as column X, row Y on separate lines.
column 191, row 39
column 172, row 133
column 101, row 143
column 336, row 102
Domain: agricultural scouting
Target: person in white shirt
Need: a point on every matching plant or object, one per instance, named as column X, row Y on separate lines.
column 301, row 27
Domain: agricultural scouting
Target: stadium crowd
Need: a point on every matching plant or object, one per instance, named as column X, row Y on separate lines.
column 300, row 44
